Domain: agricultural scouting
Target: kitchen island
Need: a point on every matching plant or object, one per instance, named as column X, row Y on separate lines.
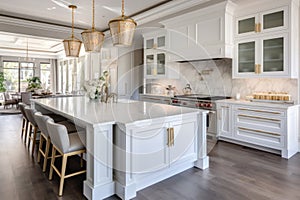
column 133, row 144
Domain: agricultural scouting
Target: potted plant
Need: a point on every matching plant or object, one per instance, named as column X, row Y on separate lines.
column 34, row 83
column 2, row 84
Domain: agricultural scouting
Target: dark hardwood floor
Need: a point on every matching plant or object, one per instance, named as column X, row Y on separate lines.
column 235, row 173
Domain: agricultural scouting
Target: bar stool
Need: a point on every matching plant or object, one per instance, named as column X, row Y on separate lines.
column 67, row 145
column 24, row 120
column 41, row 122
column 32, row 136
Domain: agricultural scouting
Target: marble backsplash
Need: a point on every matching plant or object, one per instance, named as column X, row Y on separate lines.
column 214, row 77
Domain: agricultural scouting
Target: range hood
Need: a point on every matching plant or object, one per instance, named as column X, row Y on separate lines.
column 203, row 34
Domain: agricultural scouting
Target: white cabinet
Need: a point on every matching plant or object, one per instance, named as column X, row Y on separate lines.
column 148, row 151
column 125, row 68
column 266, row 40
column 224, row 119
column 262, row 22
column 260, row 126
column 271, row 51
column 157, row 57
column 203, row 34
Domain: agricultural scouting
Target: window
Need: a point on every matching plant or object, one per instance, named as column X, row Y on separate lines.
column 16, row 75
column 11, row 74
column 46, row 75
column 26, row 72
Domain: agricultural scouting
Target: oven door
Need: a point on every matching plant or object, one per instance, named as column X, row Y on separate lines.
column 211, row 124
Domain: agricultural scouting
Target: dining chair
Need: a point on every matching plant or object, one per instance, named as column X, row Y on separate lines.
column 66, row 145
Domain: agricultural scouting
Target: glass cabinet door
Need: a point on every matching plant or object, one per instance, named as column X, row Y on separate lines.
column 150, row 65
column 150, row 43
column 273, row 20
column 273, row 54
column 161, row 63
column 246, row 25
column 246, row 57
column 161, row 41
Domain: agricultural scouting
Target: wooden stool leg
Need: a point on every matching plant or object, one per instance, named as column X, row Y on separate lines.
column 48, row 142
column 63, row 171
column 40, row 149
column 25, row 131
column 52, row 162
column 81, row 160
column 33, row 139
column 29, row 134
column 23, row 127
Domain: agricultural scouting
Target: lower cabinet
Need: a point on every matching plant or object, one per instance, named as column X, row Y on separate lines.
column 148, row 152
column 260, row 126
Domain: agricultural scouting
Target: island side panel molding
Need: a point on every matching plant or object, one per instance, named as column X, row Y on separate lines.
column 144, row 154
column 99, row 183
column 203, row 159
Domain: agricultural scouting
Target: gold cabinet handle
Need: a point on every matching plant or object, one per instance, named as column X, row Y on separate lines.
column 170, row 132
column 262, row 118
column 168, row 140
column 260, row 111
column 257, row 28
column 259, row 69
column 172, row 136
column 258, row 131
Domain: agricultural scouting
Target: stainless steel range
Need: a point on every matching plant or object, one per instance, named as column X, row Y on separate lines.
column 201, row 101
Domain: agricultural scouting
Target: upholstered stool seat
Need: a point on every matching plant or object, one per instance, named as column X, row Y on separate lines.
column 41, row 122
column 67, row 145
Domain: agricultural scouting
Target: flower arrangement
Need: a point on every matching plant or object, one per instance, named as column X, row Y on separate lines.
column 92, row 88
column 97, row 88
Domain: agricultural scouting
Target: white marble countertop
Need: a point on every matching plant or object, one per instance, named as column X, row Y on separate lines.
column 125, row 111
column 264, row 104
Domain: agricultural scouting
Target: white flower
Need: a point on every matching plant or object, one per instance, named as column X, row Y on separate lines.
column 92, row 95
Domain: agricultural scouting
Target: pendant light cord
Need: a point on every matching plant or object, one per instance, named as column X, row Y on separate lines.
column 93, row 23
column 73, row 22
column 123, row 8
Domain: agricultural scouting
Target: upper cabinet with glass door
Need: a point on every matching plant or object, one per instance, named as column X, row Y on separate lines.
column 266, row 42
column 156, row 57
column 263, row 22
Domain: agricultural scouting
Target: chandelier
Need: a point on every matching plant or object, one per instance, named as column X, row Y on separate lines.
column 92, row 39
column 72, row 45
column 122, row 29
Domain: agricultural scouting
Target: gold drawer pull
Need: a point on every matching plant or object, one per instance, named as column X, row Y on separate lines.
column 275, row 120
column 260, row 111
column 259, row 131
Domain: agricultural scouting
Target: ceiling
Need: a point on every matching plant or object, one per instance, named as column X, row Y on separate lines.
column 49, row 10
column 57, row 12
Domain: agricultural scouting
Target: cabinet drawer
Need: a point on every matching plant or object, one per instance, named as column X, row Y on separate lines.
column 259, row 137
column 260, row 122
column 259, row 111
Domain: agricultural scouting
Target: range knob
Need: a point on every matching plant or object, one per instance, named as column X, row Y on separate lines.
column 209, row 105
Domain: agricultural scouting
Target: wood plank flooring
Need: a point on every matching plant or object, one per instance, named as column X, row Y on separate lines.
column 235, row 173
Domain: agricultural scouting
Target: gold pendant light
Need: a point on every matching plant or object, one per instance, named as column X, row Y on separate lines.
column 92, row 39
column 122, row 29
column 72, row 45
